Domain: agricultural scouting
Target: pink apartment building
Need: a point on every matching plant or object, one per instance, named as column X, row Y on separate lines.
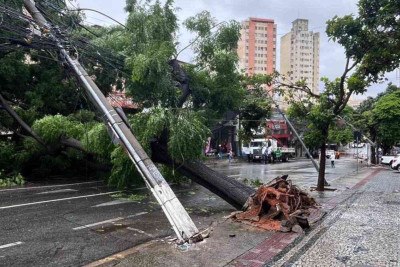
column 257, row 46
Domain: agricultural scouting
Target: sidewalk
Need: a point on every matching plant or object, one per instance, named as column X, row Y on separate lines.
column 235, row 244
column 363, row 229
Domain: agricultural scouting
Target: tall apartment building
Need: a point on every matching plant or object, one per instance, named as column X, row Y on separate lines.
column 300, row 55
column 257, row 46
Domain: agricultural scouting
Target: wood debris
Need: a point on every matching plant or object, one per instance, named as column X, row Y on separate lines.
column 278, row 205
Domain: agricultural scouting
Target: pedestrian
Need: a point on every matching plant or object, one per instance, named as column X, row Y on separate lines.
column 230, row 155
column 219, row 152
column 332, row 161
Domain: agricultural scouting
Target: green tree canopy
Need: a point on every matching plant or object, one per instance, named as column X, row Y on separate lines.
column 371, row 41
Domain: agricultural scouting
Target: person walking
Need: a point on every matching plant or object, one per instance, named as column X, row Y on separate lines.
column 332, row 161
column 230, row 155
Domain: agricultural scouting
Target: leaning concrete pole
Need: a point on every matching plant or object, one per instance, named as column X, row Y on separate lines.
column 173, row 209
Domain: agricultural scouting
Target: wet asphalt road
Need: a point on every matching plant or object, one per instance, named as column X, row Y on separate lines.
column 75, row 224
column 301, row 171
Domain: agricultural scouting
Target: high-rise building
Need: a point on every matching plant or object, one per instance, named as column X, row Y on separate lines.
column 257, row 46
column 300, row 55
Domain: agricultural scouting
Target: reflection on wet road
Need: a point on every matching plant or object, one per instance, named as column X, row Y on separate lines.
column 301, row 171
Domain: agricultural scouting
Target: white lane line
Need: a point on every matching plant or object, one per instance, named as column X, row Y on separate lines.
column 56, row 200
column 137, row 214
column 47, row 186
column 11, row 245
column 112, row 203
column 57, row 191
column 234, row 175
column 139, row 231
column 98, row 223
column 108, row 221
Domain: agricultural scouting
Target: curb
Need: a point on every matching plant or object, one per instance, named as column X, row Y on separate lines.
column 115, row 258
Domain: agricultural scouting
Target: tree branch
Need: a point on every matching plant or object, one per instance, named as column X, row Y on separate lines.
column 341, row 104
column 196, row 39
column 18, row 119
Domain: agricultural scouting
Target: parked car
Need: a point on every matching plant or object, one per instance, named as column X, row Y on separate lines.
column 387, row 160
column 395, row 163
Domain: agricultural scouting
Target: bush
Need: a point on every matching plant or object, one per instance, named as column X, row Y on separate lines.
column 7, row 152
column 14, row 180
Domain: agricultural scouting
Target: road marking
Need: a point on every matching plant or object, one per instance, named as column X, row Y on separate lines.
column 98, row 223
column 139, row 231
column 234, row 175
column 48, row 186
column 11, row 245
column 137, row 214
column 107, row 221
column 114, row 202
column 56, row 200
column 57, row 191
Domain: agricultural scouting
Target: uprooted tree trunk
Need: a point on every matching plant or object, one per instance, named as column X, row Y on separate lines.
column 231, row 190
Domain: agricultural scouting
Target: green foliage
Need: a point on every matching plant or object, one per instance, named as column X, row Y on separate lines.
column 7, row 152
column 151, row 31
column 97, row 141
column 131, row 197
column 386, row 114
column 215, row 73
column 377, row 117
column 340, row 135
column 372, row 38
column 172, row 176
column 8, row 181
column 83, row 116
column 123, row 173
column 52, row 128
column 186, row 130
column 256, row 183
column 187, row 133
column 256, row 106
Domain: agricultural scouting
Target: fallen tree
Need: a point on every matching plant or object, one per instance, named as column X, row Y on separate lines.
column 278, row 205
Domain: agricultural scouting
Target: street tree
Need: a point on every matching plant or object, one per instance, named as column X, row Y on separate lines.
column 385, row 116
column 371, row 41
column 368, row 118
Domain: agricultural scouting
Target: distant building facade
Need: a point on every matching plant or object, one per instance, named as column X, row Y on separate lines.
column 257, row 46
column 279, row 130
column 119, row 99
column 299, row 55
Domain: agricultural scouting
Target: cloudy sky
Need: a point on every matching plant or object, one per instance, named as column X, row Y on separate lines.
column 282, row 11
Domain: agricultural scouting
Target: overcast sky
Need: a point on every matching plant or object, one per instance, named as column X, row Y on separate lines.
column 282, row 11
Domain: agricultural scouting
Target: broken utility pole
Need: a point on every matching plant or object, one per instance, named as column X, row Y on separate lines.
column 173, row 209
column 316, row 166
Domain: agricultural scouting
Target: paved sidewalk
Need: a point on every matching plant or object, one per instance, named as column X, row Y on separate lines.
column 363, row 230
column 235, row 244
